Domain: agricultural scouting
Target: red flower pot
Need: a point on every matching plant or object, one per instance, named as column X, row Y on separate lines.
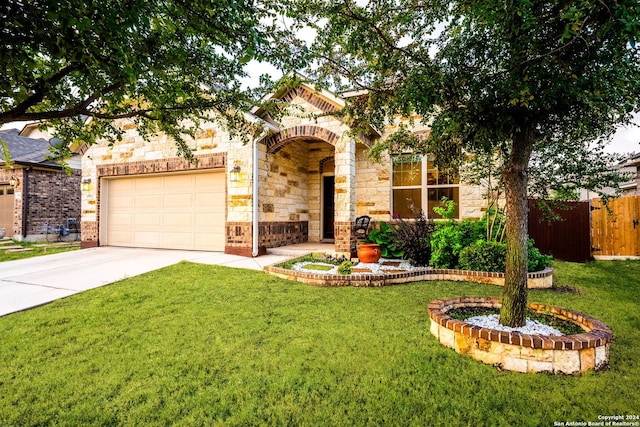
column 369, row 253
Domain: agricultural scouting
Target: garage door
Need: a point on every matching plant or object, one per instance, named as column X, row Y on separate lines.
column 167, row 211
column 7, row 198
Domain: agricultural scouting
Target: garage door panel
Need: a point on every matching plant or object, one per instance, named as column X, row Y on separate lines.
column 148, row 202
column 147, row 220
column 167, row 211
column 178, row 201
column 121, row 201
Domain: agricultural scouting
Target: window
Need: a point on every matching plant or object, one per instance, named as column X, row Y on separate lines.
column 417, row 183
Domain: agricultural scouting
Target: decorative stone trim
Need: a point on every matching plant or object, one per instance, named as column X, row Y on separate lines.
column 276, row 142
column 239, row 238
column 519, row 352
column 176, row 164
column 312, row 98
column 540, row 279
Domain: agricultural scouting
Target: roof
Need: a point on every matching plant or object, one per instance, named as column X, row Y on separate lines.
column 27, row 151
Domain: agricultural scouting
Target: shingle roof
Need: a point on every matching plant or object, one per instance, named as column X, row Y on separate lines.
column 27, row 151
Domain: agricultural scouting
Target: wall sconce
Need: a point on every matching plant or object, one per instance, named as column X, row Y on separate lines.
column 86, row 184
column 234, row 175
column 13, row 181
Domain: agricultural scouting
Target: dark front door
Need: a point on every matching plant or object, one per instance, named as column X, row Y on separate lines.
column 328, row 206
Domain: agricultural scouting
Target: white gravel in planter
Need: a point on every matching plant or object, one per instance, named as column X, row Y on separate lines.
column 378, row 267
column 533, row 327
column 298, row 266
column 374, row 267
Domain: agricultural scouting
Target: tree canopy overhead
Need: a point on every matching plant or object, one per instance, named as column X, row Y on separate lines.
column 516, row 76
column 157, row 62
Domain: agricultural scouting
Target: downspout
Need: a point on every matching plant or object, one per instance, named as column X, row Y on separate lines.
column 254, row 226
column 25, row 201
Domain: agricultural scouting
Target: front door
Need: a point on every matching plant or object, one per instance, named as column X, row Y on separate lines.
column 328, row 206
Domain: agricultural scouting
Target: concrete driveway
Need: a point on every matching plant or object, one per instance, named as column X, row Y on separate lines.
column 35, row 281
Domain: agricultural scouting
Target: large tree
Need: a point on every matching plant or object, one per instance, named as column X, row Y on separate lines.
column 81, row 64
column 516, row 76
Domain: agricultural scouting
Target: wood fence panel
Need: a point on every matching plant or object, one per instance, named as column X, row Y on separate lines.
column 568, row 239
column 616, row 233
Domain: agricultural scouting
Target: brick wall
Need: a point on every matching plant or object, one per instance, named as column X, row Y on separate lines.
column 52, row 197
column 47, row 195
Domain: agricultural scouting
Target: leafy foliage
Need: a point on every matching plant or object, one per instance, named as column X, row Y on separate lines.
column 510, row 77
column 484, row 256
column 537, row 261
column 413, row 238
column 451, row 236
column 384, row 236
column 164, row 65
column 345, row 267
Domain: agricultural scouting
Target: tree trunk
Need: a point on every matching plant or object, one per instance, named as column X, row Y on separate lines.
column 514, row 294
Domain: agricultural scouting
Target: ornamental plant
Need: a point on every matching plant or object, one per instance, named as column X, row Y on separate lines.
column 384, row 236
column 413, row 238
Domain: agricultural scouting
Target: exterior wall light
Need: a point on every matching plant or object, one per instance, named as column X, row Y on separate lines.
column 234, row 174
column 13, row 181
column 86, row 184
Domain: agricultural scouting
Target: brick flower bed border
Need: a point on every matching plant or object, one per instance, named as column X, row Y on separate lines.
column 540, row 279
column 519, row 352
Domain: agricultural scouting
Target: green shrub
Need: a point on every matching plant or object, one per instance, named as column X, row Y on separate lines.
column 345, row 267
column 491, row 256
column 537, row 261
column 413, row 238
column 384, row 236
column 484, row 256
column 450, row 237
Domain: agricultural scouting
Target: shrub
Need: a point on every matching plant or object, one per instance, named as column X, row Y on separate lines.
column 450, row 237
column 484, row 256
column 384, row 236
column 491, row 256
column 537, row 261
column 413, row 238
column 345, row 267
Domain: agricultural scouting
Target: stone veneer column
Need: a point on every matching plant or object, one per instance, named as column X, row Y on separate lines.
column 345, row 196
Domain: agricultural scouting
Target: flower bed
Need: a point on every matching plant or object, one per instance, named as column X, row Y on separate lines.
column 515, row 351
column 392, row 273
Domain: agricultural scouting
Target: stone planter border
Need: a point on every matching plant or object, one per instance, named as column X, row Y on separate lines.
column 519, row 352
column 541, row 279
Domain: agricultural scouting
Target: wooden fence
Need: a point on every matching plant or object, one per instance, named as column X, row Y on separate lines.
column 616, row 233
column 568, row 239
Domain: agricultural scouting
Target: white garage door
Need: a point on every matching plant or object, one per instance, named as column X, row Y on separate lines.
column 184, row 211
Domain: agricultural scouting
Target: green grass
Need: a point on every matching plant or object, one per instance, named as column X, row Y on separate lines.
column 206, row 345
column 37, row 251
column 319, row 267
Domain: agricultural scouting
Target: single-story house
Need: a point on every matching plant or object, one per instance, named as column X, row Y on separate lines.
column 34, row 190
column 305, row 179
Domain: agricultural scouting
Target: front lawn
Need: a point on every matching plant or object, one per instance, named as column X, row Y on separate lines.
column 206, row 345
column 36, row 250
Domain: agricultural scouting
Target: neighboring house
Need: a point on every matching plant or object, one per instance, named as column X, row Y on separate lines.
column 305, row 180
column 631, row 165
column 33, row 190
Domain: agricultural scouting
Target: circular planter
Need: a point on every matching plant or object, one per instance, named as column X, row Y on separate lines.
column 514, row 351
column 369, row 253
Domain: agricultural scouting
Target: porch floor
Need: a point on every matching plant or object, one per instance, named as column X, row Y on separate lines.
column 302, row 249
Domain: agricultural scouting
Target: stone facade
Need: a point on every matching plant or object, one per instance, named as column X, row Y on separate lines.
column 293, row 162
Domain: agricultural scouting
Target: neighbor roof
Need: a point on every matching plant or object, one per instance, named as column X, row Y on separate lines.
column 27, row 151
